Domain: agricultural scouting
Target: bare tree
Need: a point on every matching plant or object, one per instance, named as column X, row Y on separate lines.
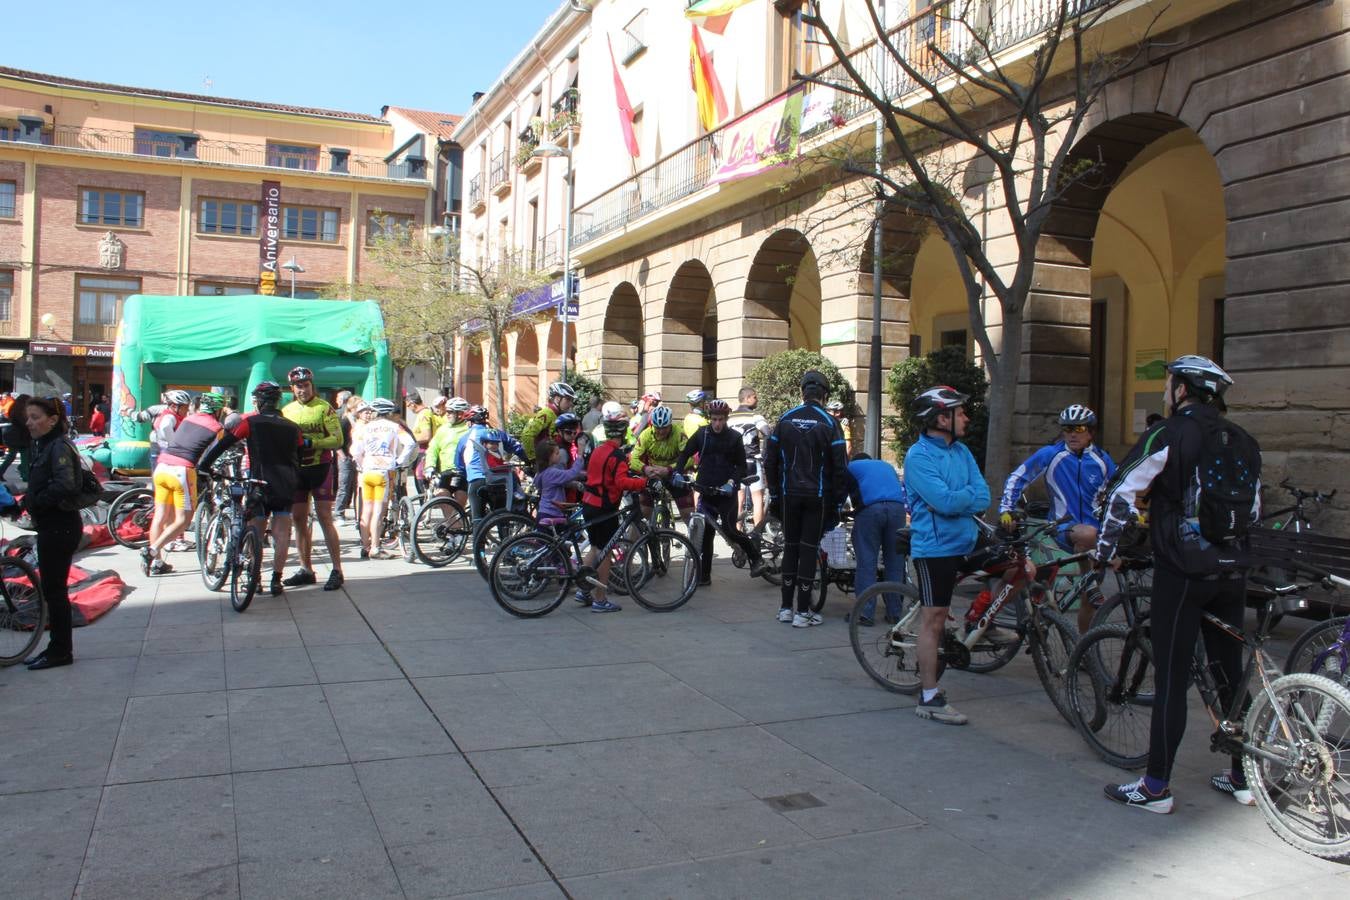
column 992, row 93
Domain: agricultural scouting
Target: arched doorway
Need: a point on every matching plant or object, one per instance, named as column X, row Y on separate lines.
column 684, row 349
column 939, row 315
column 473, row 368
column 524, row 389
column 553, row 364
column 782, row 297
column 621, row 346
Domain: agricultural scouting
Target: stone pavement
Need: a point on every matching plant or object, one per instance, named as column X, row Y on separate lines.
column 406, row 738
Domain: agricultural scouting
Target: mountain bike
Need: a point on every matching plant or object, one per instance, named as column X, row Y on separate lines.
column 440, row 531
column 1323, row 649
column 23, row 609
column 241, row 562
column 700, row 521
column 130, row 515
column 1294, row 740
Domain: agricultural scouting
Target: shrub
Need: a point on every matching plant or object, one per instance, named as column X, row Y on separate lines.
column 948, row 365
column 586, row 388
column 778, row 382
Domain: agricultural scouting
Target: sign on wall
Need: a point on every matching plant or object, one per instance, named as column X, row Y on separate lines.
column 762, row 139
column 269, row 237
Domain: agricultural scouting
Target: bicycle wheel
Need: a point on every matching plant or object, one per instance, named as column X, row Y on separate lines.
column 1122, row 608
column 768, row 536
column 889, row 655
column 247, row 570
column 1312, row 651
column 529, row 575
column 673, row 585
column 211, row 546
column 129, row 517
column 625, row 565
column 23, row 610
column 440, row 532
column 1298, row 765
column 389, row 527
column 406, row 512
column 494, row 531
column 1117, row 728
column 1052, row 643
column 1001, row 640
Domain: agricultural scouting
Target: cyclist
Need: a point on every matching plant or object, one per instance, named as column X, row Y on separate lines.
column 556, row 482
column 607, row 478
column 567, row 435
column 383, row 448
column 540, row 426
column 175, row 480
column 721, row 466
column 754, row 430
column 319, row 424
column 610, row 411
column 654, row 457
column 274, row 444
column 428, row 420
column 478, row 452
column 804, row 469
column 1074, row 468
column 1189, row 577
column 697, row 417
column 175, row 410
column 836, row 409
column 945, row 489
column 646, row 403
column 878, row 514
column 442, row 470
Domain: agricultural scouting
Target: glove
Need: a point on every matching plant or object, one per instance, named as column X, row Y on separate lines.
column 776, row 507
column 1007, row 522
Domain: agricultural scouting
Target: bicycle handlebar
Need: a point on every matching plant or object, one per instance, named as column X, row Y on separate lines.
column 1301, row 495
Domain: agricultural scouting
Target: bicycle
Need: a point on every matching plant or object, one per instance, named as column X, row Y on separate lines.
column 242, row 557
column 531, row 573
column 213, row 537
column 1323, row 649
column 130, row 515
column 440, row 531
column 23, row 609
column 1294, row 740
column 700, row 521
column 509, row 512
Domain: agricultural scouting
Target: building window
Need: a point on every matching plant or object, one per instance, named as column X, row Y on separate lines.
column 388, row 226
column 633, row 38
column 117, row 208
column 157, row 143
column 236, row 217
column 309, row 223
column 292, row 156
column 100, row 299
column 221, row 289
column 6, row 294
column 8, row 189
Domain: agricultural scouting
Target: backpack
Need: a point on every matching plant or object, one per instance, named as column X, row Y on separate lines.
column 91, row 489
column 1228, row 477
column 608, row 468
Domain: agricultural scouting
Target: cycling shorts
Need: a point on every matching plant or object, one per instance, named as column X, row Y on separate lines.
column 600, row 525
column 176, row 486
column 1062, row 534
column 317, row 481
column 374, row 485
column 937, row 579
column 758, row 485
column 454, row 480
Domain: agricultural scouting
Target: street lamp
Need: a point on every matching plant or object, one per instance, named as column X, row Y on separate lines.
column 549, row 150
column 292, row 266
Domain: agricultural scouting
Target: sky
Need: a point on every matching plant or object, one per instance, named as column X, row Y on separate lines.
column 350, row 55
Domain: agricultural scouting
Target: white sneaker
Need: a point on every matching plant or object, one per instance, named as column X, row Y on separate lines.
column 1223, row 783
column 806, row 620
column 785, row 615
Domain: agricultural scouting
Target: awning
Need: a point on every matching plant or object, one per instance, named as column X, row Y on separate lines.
column 10, row 355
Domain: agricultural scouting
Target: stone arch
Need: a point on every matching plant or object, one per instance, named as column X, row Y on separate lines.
column 679, row 358
column 622, row 343
column 524, row 386
column 553, row 365
column 782, row 309
column 474, row 366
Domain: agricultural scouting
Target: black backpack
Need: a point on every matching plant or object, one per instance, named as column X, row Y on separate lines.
column 1228, row 477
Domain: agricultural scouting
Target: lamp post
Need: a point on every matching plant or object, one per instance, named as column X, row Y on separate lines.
column 444, row 233
column 549, row 150
column 292, row 266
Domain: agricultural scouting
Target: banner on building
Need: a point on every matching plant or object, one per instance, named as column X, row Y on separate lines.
column 761, row 139
column 269, row 237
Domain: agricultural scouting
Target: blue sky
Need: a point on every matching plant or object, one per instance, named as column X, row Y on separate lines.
column 353, row 55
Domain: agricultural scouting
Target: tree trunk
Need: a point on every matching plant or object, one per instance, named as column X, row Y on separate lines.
column 495, row 360
column 1003, row 403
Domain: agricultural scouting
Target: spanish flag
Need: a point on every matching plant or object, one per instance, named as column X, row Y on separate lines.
column 712, row 105
column 713, row 14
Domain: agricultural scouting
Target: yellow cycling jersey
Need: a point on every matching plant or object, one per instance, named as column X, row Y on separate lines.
column 693, row 422
column 653, row 451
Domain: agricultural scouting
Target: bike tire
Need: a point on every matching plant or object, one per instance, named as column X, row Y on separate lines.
column 440, row 532
column 1115, row 611
column 405, row 520
column 1117, row 729
column 529, row 575
column 212, row 545
column 1052, row 640
column 818, row 597
column 137, row 504
column 670, row 588
column 1314, row 642
column 1004, row 639
column 246, row 571
column 494, row 531
column 23, row 610
column 618, row 574
column 1290, row 797
column 892, row 662
column 768, row 538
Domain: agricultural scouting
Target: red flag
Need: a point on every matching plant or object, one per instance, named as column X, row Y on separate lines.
column 712, row 105
column 625, row 108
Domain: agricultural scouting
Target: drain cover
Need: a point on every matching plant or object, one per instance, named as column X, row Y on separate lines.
column 789, row 802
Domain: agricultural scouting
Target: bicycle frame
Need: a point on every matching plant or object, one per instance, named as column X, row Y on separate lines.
column 570, row 537
column 1019, row 572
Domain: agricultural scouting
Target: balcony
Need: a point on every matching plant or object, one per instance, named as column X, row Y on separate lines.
column 566, row 115
column 94, row 333
column 688, row 170
column 526, row 161
column 477, row 199
column 499, row 175
column 330, row 161
column 548, row 252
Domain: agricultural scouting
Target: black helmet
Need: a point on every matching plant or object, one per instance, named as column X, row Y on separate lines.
column 817, row 380
column 1200, row 374
column 478, row 415
column 935, row 400
column 298, row 374
column 267, row 394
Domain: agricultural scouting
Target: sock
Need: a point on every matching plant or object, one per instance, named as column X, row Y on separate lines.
column 1237, row 778
column 787, row 591
column 1154, row 785
column 929, row 694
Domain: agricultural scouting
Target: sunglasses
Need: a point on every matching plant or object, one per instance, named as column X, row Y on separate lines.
column 1075, row 429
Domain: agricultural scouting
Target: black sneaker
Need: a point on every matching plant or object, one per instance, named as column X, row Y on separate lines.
column 1225, row 783
column 334, row 581
column 1137, row 794
column 147, row 559
column 277, row 585
column 160, row 567
column 301, row 578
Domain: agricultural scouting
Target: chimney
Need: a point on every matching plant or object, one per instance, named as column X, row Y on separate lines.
column 477, row 95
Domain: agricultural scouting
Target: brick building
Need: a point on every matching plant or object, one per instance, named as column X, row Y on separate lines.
column 108, row 191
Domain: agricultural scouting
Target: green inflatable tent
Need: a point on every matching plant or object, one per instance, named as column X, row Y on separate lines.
column 234, row 343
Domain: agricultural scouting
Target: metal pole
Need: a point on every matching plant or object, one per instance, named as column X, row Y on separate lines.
column 873, row 423
column 292, row 284
column 563, row 314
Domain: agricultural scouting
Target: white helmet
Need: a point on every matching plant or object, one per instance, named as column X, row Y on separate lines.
column 613, row 410
column 561, row 389
column 382, row 407
column 1077, row 414
column 1201, row 374
column 178, row 398
column 457, row 405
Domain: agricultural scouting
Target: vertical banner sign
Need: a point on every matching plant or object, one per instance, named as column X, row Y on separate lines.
column 268, row 237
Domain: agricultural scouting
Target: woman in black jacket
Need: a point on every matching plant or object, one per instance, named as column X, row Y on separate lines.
column 16, row 437
column 52, row 501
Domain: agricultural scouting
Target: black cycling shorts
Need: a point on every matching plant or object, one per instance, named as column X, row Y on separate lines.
column 937, row 579
column 600, row 524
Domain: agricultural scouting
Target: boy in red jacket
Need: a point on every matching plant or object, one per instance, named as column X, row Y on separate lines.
column 607, row 478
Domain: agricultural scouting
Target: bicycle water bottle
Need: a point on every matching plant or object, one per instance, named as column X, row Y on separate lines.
column 977, row 608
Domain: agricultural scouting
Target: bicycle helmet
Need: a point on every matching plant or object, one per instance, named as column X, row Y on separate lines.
column 439, row 401
column 178, row 398
column 835, row 406
column 210, row 402
column 935, row 400
column 493, row 436
column 457, row 405
column 561, row 389
column 696, row 398
column 299, row 374
column 612, row 410
column 662, row 417
column 1200, row 374
column 566, row 421
column 719, row 408
column 652, row 396
column 813, row 380
column 383, row 407
column 267, row 394
column 1077, row 414
column 478, row 415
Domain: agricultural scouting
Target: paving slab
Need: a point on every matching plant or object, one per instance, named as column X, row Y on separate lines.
column 383, row 720
column 46, row 833
column 282, row 727
column 177, row 673
column 351, row 662
column 172, row 736
column 482, row 712
column 273, row 667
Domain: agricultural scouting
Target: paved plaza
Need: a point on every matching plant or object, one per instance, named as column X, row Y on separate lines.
column 406, row 738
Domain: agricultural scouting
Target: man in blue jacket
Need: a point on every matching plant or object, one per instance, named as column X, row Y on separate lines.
column 945, row 489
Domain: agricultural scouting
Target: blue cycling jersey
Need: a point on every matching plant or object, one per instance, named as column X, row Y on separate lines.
column 1072, row 479
column 945, row 489
column 468, row 455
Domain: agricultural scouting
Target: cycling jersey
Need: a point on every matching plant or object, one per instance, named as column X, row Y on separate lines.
column 318, row 423
column 441, row 450
column 721, row 456
column 470, row 457
column 161, row 432
column 428, row 422
column 945, row 489
column 607, row 477
column 753, row 427
column 805, row 456
column 539, row 427
column 653, row 451
column 190, row 440
column 383, row 446
column 1071, row 478
column 693, row 422
column 274, row 444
